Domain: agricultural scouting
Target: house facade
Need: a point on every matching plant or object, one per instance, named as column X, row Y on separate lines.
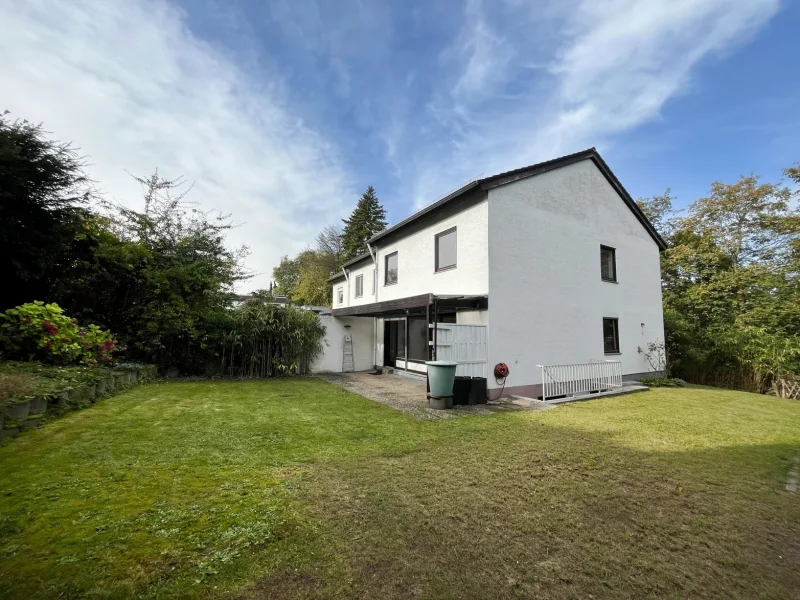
column 554, row 262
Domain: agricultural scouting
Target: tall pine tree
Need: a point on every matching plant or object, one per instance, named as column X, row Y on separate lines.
column 368, row 218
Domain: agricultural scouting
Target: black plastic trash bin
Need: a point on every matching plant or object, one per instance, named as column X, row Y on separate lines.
column 461, row 388
column 477, row 390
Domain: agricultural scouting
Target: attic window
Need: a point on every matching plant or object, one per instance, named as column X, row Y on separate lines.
column 608, row 264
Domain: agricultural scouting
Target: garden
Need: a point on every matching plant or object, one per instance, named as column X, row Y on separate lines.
column 295, row 488
column 248, row 479
column 98, row 296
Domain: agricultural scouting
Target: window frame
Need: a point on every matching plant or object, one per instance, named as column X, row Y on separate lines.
column 386, row 258
column 437, row 237
column 613, row 251
column 617, row 350
column 374, row 280
column 359, row 283
column 340, row 295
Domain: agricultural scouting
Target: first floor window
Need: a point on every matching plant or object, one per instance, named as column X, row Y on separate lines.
column 446, row 250
column 391, row 269
column 611, row 336
column 374, row 280
column 340, row 294
column 359, row 286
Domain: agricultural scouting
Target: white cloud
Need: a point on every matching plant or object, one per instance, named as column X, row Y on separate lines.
column 131, row 85
column 482, row 50
column 610, row 66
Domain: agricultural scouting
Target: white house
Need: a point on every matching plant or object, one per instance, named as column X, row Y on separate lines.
column 551, row 264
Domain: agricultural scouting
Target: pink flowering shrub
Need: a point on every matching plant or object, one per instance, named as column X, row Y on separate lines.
column 39, row 331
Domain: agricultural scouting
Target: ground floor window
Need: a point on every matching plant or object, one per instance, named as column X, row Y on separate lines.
column 410, row 337
column 611, row 336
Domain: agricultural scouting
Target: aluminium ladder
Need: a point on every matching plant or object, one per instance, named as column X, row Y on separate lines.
column 348, row 363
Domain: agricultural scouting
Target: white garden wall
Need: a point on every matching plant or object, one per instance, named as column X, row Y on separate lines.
column 361, row 330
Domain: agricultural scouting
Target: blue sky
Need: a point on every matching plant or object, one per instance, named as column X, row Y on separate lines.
column 282, row 112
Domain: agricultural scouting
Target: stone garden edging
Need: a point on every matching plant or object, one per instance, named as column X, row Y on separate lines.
column 24, row 413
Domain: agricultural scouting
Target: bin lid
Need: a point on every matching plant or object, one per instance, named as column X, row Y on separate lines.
column 441, row 363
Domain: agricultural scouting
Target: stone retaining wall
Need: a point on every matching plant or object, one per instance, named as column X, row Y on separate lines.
column 31, row 411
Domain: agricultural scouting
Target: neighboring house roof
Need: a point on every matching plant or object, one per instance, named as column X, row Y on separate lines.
column 488, row 183
column 242, row 298
column 322, row 310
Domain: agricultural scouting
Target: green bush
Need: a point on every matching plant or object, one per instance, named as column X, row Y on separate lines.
column 39, row 331
column 662, row 382
column 263, row 340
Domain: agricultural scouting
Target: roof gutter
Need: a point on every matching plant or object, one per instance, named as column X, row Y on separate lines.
column 426, row 210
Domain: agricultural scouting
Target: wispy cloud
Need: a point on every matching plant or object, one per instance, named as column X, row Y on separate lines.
column 483, row 52
column 603, row 69
column 133, row 87
column 282, row 112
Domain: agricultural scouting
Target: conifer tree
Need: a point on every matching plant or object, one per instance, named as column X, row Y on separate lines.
column 368, row 218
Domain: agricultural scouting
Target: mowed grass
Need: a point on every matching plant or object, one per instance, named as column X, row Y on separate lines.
column 297, row 489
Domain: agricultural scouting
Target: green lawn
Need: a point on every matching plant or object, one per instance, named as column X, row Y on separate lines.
column 297, row 489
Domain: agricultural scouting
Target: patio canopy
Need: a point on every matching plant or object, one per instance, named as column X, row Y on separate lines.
column 413, row 305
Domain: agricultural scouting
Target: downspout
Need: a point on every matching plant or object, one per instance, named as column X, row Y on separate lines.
column 347, row 279
column 375, row 274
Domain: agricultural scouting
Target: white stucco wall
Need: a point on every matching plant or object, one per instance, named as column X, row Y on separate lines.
column 361, row 329
column 472, row 317
column 546, row 296
column 416, row 262
column 416, row 259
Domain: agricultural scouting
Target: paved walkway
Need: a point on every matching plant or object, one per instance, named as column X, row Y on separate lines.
column 401, row 392
column 407, row 394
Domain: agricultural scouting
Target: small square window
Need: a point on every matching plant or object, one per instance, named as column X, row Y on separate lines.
column 446, row 249
column 390, row 277
column 611, row 336
column 340, row 294
column 608, row 263
column 359, row 286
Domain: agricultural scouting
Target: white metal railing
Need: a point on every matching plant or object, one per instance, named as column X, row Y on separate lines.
column 571, row 380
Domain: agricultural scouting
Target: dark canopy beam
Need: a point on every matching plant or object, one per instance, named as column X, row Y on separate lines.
column 419, row 303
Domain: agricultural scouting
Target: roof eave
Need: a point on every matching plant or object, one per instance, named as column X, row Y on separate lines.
column 424, row 211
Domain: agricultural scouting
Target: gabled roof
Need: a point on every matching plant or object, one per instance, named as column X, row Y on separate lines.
column 500, row 179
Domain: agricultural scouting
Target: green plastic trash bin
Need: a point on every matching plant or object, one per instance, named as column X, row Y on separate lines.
column 441, row 375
